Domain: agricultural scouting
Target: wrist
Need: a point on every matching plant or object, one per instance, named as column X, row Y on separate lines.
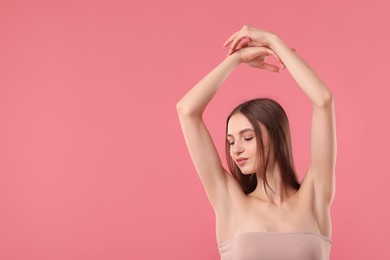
column 273, row 40
column 235, row 57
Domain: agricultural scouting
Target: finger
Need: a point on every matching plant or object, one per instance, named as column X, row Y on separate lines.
column 271, row 52
column 268, row 51
column 230, row 39
column 282, row 66
column 280, row 61
column 256, row 63
column 237, row 39
column 245, row 27
column 243, row 45
column 269, row 67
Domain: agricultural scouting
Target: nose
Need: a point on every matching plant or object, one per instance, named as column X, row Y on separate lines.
column 238, row 147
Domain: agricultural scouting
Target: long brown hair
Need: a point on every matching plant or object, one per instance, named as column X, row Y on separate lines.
column 270, row 114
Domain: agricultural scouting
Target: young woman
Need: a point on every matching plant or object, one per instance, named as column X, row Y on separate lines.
column 262, row 211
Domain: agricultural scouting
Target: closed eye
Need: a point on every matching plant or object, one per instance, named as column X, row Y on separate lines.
column 246, row 139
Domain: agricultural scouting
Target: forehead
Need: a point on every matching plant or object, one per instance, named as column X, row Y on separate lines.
column 237, row 123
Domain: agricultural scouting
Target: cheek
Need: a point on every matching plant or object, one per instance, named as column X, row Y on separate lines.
column 253, row 147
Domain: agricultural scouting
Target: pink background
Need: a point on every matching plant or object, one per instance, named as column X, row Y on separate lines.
column 93, row 163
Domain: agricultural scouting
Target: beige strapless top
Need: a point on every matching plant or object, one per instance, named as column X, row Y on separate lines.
column 290, row 245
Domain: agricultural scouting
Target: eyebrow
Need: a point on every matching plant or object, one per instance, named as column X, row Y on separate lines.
column 243, row 130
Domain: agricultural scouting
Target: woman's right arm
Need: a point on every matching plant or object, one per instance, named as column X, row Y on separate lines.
column 199, row 143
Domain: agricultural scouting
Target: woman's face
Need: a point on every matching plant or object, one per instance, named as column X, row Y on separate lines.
column 242, row 139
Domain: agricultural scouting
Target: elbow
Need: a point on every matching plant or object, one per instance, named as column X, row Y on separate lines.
column 186, row 110
column 178, row 106
column 329, row 99
column 181, row 109
column 326, row 100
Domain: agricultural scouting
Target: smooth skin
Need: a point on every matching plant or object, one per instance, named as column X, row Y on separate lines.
column 236, row 213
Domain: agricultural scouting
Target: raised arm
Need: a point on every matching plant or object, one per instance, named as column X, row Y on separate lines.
column 218, row 183
column 321, row 173
column 323, row 131
column 196, row 100
column 199, row 143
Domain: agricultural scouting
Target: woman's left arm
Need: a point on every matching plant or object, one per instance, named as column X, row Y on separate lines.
column 323, row 146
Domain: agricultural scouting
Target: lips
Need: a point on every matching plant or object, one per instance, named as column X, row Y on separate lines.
column 241, row 161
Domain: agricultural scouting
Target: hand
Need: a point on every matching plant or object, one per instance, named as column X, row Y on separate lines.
column 256, row 38
column 255, row 56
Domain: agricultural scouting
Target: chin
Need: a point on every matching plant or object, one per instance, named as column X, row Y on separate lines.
column 246, row 172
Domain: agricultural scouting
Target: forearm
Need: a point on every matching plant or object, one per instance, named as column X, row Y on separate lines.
column 196, row 100
column 307, row 79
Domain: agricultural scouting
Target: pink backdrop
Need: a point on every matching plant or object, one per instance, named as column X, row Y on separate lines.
column 93, row 163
